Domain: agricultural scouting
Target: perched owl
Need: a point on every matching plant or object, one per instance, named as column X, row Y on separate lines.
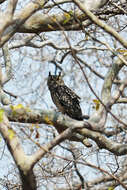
column 64, row 98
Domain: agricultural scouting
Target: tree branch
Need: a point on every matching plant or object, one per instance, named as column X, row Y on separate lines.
column 100, row 23
column 24, row 14
column 7, row 63
column 62, row 122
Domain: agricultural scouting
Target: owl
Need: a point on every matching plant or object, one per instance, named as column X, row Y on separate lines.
column 64, row 98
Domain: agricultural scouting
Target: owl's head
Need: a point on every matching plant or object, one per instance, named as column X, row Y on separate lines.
column 55, row 80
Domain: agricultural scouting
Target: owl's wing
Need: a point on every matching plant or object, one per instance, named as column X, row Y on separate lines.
column 69, row 101
column 68, row 91
column 67, row 95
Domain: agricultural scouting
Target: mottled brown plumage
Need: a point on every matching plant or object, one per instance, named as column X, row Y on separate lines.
column 64, row 98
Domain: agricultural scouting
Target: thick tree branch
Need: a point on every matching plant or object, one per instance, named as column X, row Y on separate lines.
column 22, row 161
column 45, row 22
column 7, row 63
column 5, row 77
column 11, row 8
column 112, row 73
column 62, row 122
column 25, row 13
column 106, row 99
column 4, row 23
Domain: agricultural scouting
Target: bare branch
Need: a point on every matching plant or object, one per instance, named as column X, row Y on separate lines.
column 66, row 134
column 100, row 23
column 7, row 62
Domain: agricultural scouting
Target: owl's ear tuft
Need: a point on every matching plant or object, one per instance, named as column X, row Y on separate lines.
column 59, row 74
